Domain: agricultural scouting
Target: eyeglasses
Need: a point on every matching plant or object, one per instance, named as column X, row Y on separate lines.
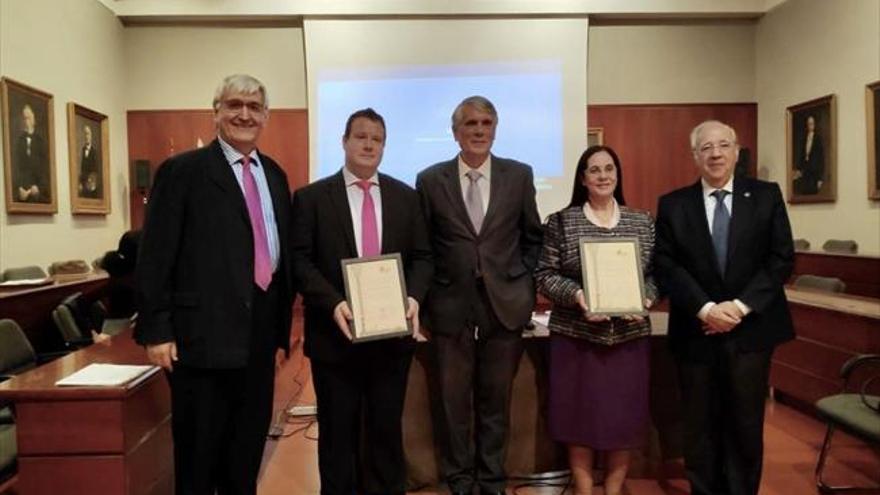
column 237, row 106
column 722, row 146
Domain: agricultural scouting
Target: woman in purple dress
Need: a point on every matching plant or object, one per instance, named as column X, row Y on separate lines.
column 598, row 365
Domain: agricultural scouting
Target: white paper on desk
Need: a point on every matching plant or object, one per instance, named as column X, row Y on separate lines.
column 107, row 375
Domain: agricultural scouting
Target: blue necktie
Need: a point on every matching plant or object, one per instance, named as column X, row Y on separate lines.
column 720, row 228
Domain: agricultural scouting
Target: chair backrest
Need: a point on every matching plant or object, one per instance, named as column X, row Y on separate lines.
column 841, row 246
column 16, row 352
column 72, row 319
column 802, row 244
column 69, row 267
column 23, row 273
column 827, row 284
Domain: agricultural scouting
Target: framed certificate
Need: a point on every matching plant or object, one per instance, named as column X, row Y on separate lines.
column 612, row 275
column 376, row 293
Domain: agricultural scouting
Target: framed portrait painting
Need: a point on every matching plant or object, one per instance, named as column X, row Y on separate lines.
column 811, row 151
column 595, row 136
column 872, row 113
column 28, row 148
column 88, row 141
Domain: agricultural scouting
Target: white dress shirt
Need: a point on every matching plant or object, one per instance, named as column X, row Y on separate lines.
column 356, row 202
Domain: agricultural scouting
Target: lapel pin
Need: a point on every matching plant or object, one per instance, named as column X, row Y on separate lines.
column 747, row 194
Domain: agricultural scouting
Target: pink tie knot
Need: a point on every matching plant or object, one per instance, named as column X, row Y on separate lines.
column 365, row 185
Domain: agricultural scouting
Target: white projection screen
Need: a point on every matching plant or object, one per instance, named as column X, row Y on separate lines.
column 415, row 71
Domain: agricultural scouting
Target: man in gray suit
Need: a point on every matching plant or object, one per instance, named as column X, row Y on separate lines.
column 486, row 236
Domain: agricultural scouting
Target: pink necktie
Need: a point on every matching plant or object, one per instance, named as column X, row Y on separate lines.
column 262, row 260
column 369, row 227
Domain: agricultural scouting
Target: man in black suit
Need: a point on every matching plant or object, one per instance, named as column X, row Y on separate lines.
column 809, row 173
column 486, row 237
column 724, row 251
column 215, row 295
column 358, row 212
column 30, row 167
column 90, row 182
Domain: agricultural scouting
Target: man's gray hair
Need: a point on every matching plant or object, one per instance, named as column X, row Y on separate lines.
column 707, row 123
column 240, row 83
column 479, row 102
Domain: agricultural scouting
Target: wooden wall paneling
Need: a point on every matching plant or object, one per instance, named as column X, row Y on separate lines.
column 155, row 135
column 652, row 142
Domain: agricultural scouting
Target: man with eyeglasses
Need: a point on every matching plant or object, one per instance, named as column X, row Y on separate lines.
column 724, row 251
column 215, row 294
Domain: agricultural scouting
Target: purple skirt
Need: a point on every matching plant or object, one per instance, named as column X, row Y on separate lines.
column 598, row 394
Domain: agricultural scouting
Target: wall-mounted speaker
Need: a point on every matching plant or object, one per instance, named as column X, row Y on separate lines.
column 142, row 175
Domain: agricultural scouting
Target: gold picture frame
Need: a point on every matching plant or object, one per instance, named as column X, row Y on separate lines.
column 88, row 140
column 872, row 116
column 811, row 151
column 28, row 148
column 595, row 136
column 611, row 270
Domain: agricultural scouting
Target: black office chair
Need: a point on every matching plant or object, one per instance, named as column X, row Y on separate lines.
column 16, row 356
column 801, row 245
column 23, row 273
column 827, row 284
column 73, row 321
column 856, row 410
column 841, row 246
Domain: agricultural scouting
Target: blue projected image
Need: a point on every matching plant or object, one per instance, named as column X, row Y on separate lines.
column 417, row 112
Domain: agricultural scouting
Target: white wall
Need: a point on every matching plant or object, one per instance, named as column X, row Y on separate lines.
column 677, row 63
column 73, row 50
column 808, row 49
column 179, row 67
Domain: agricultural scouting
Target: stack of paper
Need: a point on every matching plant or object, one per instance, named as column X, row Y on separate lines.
column 107, row 375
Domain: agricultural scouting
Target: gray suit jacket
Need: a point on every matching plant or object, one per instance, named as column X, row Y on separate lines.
column 505, row 251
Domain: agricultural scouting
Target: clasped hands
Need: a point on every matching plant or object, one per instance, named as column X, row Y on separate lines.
column 342, row 315
column 722, row 318
column 592, row 317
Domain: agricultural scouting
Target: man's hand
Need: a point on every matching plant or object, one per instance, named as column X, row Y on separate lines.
column 163, row 355
column 582, row 303
column 722, row 318
column 100, row 338
column 412, row 314
column 342, row 315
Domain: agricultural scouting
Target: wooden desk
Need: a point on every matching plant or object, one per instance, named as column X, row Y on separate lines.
column 861, row 273
column 831, row 328
column 110, row 440
column 32, row 307
column 530, row 449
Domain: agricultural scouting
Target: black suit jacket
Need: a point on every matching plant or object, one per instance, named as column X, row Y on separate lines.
column 506, row 249
column 812, row 166
column 760, row 260
column 88, row 165
column 323, row 235
column 195, row 264
column 32, row 169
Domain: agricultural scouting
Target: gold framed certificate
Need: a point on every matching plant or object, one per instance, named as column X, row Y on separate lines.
column 612, row 275
column 376, row 292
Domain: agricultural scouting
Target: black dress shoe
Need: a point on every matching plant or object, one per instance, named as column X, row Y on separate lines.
column 499, row 492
